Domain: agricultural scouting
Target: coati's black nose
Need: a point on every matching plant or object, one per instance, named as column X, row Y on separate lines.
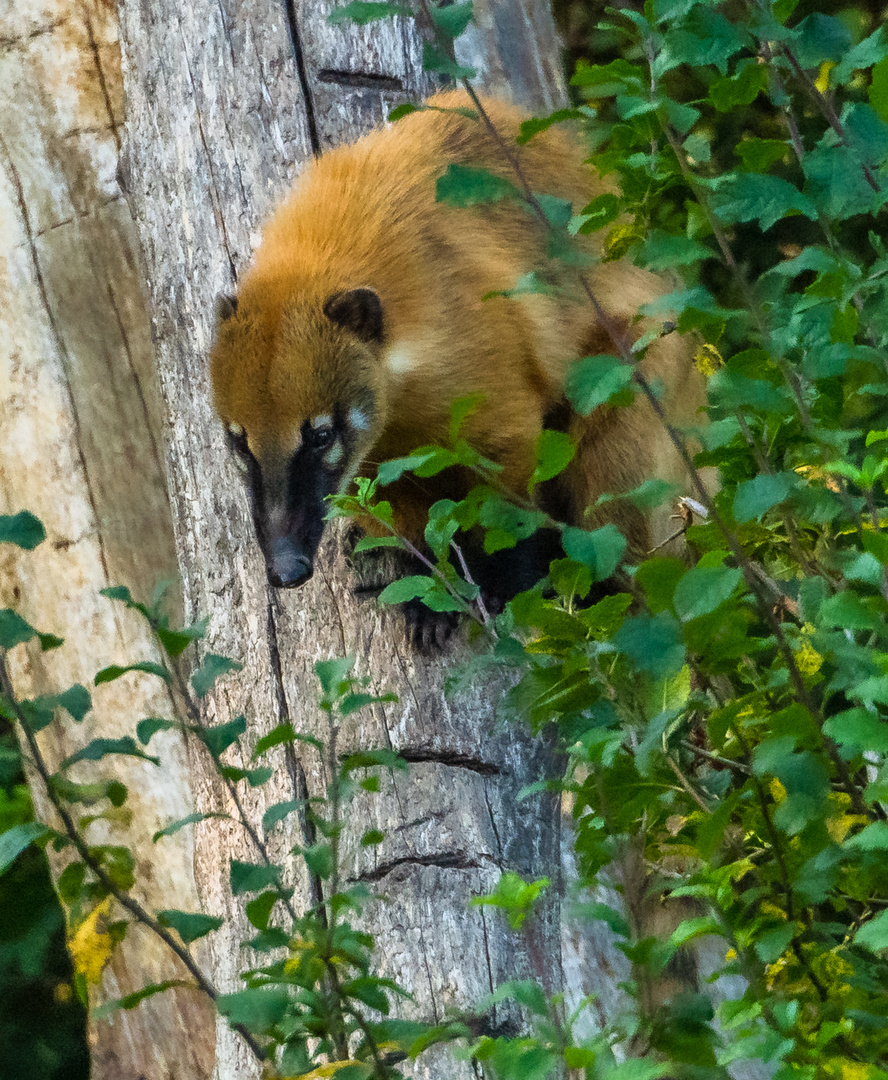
column 288, row 566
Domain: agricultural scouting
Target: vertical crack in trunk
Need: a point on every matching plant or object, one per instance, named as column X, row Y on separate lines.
column 302, row 74
column 295, row 770
column 214, row 187
column 64, row 356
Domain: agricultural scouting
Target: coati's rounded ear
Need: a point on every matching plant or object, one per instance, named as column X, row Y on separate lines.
column 226, row 306
column 358, row 310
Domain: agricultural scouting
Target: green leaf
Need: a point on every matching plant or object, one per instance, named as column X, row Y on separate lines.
column 77, row 700
column 408, row 588
column 148, row 667
column 367, row 759
column 189, row 926
column 212, row 668
column 600, row 550
column 847, row 611
column 14, row 629
column 14, row 841
column 368, row 991
column 390, row 471
column 525, row 991
column 252, row 877
column 438, row 62
column 334, row 675
column 606, row 80
column 372, row 837
column 878, row 90
column 529, row 284
column 759, row 197
column 147, row 728
column 22, row 529
column 254, row 777
column 461, row 409
column 595, row 380
column 258, row 1010
column 665, row 251
column 452, row 19
column 191, row 819
column 873, row 838
column 373, row 543
column 821, row 37
column 681, row 117
column 772, row 944
column 100, row 748
column 558, row 212
column 259, row 910
column 362, row 12
column 865, row 54
column 555, row 450
column 650, row 493
column 873, row 935
column 754, row 497
column 570, row 578
column 538, row 124
column 130, row 1001
column 122, row 593
column 703, row 589
column 352, row 703
column 467, row 185
column 653, row 643
column 279, row 811
column 837, row 182
column 400, row 111
column 758, row 155
column 858, row 730
column 600, row 212
column 218, row 738
column 175, row 642
column 741, row 89
column 283, row 733
column 319, row 859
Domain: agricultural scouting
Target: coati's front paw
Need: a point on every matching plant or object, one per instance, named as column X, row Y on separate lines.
column 375, row 569
column 427, row 630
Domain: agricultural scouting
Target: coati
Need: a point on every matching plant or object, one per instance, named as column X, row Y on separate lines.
column 364, row 315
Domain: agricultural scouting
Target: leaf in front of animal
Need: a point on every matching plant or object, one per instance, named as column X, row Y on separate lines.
column 466, row 185
column 597, row 380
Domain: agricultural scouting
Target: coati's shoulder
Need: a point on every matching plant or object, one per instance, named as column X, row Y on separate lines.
column 377, row 194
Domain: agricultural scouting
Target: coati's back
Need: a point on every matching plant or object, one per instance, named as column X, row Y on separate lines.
column 363, row 317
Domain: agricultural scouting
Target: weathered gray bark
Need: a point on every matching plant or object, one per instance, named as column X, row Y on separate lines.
column 80, row 431
column 225, row 102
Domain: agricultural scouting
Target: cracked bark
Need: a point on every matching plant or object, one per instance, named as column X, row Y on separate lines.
column 225, row 103
column 80, row 426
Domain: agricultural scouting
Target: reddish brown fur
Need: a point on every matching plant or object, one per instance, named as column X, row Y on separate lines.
column 365, row 215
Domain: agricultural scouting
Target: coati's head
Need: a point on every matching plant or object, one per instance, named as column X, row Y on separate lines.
column 299, row 387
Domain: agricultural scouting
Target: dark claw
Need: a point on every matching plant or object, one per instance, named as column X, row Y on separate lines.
column 427, row 630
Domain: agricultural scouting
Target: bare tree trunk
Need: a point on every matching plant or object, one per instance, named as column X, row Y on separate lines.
column 80, row 435
column 225, row 101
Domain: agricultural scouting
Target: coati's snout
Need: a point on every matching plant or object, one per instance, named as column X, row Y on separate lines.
column 288, row 566
column 288, row 492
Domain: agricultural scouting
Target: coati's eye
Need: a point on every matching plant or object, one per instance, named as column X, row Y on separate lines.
column 320, row 438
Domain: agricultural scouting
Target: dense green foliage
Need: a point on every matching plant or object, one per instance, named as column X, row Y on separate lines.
column 724, row 720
